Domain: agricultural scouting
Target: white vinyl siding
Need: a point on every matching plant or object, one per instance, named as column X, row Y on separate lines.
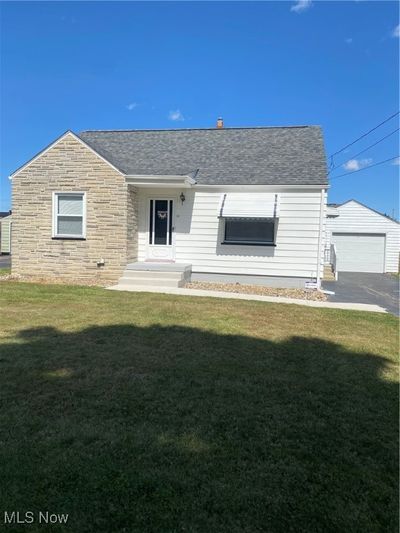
column 355, row 218
column 199, row 234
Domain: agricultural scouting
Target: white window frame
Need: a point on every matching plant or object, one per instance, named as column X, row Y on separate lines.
column 56, row 235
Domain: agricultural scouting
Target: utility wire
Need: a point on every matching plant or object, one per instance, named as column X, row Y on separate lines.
column 365, row 168
column 365, row 134
column 365, row 149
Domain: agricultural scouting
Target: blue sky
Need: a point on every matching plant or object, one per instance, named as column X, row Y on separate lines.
column 122, row 65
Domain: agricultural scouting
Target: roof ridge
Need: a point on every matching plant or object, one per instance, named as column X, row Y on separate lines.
column 205, row 129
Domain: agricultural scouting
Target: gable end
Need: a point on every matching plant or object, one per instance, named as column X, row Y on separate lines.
column 53, row 144
column 389, row 219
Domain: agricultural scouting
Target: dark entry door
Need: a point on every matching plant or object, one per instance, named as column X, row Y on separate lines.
column 161, row 212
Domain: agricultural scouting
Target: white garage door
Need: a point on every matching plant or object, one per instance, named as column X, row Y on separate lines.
column 360, row 252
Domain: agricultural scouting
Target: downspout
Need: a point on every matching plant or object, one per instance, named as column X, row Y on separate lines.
column 320, row 240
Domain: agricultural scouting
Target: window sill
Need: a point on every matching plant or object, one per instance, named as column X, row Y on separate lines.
column 68, row 238
column 238, row 243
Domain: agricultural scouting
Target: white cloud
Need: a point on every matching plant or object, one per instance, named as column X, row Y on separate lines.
column 132, row 106
column 356, row 164
column 349, row 40
column 396, row 161
column 301, row 6
column 396, row 31
column 176, row 116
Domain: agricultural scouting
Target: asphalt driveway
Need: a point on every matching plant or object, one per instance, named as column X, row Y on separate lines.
column 360, row 287
column 5, row 261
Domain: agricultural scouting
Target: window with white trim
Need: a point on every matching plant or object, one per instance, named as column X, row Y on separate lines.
column 69, row 215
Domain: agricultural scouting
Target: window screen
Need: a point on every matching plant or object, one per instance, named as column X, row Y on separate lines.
column 249, row 231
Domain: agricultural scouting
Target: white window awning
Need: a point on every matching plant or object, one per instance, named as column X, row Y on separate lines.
column 252, row 205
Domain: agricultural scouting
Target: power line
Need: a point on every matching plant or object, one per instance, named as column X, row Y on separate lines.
column 365, row 149
column 365, row 168
column 365, row 134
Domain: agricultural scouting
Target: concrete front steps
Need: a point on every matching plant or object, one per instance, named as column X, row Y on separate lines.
column 328, row 273
column 154, row 275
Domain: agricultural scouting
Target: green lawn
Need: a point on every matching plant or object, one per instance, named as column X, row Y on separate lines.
column 4, row 271
column 157, row 413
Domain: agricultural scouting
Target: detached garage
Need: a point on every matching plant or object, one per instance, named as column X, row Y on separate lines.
column 364, row 240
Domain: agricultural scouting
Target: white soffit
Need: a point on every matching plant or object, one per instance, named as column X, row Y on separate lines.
column 147, row 180
column 239, row 205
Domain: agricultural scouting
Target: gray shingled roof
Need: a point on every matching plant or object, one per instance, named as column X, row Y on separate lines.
column 255, row 156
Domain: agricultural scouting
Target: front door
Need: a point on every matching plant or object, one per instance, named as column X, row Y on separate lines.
column 160, row 230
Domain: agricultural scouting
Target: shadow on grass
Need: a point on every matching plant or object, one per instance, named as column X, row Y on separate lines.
column 177, row 429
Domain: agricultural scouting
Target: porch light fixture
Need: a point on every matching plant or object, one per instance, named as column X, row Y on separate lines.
column 182, row 197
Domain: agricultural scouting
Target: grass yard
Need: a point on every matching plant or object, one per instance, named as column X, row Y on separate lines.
column 158, row 413
column 5, row 271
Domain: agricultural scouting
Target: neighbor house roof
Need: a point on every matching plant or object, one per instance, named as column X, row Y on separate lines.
column 230, row 156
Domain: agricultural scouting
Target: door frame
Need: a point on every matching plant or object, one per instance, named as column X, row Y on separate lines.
column 169, row 247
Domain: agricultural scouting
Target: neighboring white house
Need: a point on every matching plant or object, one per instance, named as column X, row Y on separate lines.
column 5, row 234
column 364, row 240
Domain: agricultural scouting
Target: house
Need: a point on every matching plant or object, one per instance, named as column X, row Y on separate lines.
column 227, row 204
column 359, row 239
column 5, row 232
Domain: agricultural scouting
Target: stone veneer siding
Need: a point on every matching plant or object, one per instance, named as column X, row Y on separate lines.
column 111, row 216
